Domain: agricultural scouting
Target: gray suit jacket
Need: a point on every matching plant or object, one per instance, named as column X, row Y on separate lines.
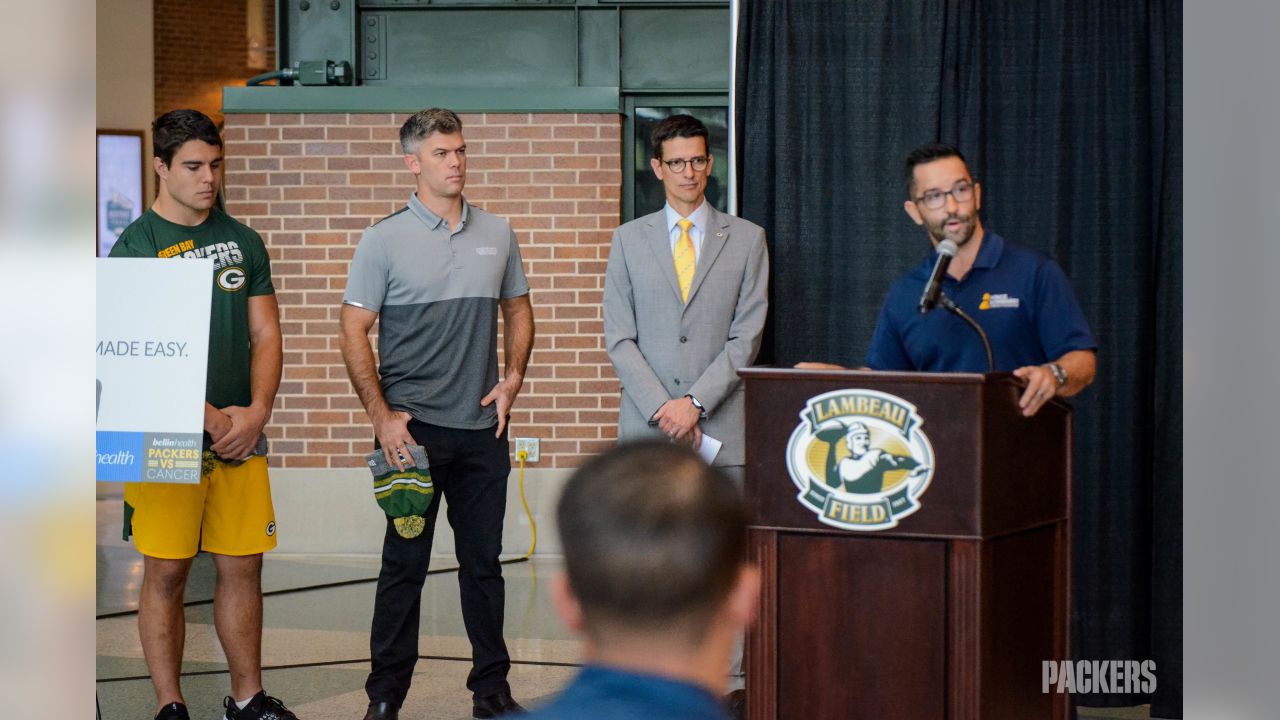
column 662, row 348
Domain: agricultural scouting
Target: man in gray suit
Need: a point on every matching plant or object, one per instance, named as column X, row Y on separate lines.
column 685, row 296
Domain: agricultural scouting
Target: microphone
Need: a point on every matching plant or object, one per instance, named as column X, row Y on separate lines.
column 929, row 300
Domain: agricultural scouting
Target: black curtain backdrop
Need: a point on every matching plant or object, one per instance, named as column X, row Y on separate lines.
column 1070, row 114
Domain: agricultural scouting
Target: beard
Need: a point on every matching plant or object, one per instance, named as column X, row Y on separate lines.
column 960, row 235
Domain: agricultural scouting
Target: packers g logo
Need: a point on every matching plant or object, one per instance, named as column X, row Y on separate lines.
column 271, row 528
column 231, row 279
column 859, row 459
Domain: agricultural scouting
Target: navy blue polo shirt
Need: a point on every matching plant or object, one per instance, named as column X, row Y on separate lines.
column 1020, row 297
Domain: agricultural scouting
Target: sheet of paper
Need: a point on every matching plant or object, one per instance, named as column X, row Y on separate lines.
column 709, row 448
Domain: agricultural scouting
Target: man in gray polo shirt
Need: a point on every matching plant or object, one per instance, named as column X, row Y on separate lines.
column 437, row 272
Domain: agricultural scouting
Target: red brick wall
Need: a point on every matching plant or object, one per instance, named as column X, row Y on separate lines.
column 312, row 183
column 201, row 47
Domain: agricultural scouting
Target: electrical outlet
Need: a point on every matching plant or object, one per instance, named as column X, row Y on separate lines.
column 530, row 446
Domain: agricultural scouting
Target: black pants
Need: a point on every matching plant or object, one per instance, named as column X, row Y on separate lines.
column 469, row 468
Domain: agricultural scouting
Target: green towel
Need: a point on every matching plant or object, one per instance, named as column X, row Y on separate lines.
column 404, row 495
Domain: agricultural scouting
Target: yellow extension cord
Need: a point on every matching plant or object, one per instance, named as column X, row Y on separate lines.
column 533, row 543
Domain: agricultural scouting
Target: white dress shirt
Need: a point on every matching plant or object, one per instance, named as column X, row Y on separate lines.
column 699, row 219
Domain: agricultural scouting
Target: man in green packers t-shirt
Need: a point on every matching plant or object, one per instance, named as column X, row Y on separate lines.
column 229, row 514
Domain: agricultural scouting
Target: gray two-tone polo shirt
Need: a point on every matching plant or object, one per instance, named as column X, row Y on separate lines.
column 436, row 290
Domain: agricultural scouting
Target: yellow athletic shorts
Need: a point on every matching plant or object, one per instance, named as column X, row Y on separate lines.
column 228, row 513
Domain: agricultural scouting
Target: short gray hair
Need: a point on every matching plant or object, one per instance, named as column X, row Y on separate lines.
column 421, row 124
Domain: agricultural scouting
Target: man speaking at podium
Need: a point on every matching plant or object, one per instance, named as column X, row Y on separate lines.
column 1021, row 298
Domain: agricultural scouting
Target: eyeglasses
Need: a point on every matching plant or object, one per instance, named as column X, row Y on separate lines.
column 935, row 199
column 677, row 166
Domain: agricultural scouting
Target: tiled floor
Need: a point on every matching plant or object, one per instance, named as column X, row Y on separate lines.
column 316, row 642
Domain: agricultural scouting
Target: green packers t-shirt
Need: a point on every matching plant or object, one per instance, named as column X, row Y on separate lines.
column 241, row 268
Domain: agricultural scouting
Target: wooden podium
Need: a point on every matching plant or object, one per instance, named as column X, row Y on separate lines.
column 949, row 612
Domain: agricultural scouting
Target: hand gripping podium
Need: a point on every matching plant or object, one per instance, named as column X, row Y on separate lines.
column 913, row 533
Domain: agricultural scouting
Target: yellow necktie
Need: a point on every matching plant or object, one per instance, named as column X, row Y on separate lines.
column 684, row 258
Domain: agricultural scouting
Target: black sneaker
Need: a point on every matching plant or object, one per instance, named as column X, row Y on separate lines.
column 261, row 707
column 499, row 704
column 173, row 711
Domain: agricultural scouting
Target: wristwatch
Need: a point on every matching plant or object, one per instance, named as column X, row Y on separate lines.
column 1059, row 373
column 702, row 411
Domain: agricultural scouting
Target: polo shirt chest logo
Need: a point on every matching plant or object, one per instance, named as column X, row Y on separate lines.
column 997, row 301
column 486, row 251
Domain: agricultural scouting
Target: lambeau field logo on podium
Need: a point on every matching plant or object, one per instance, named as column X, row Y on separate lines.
column 859, row 459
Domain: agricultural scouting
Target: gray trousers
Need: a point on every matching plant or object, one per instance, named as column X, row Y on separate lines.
column 737, row 677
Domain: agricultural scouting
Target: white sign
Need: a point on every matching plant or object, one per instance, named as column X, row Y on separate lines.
column 152, row 353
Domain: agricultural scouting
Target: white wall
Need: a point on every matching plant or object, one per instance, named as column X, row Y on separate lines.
column 332, row 511
column 126, row 72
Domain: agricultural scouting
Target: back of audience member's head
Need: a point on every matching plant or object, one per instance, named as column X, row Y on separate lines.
column 654, row 542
